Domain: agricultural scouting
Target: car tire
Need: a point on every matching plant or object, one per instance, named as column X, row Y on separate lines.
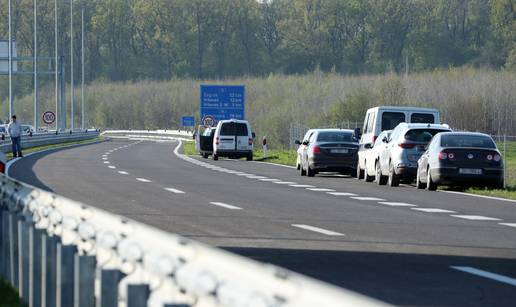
column 430, row 184
column 380, row 179
column 419, row 184
column 360, row 172
column 309, row 172
column 302, row 171
column 367, row 178
column 393, row 179
column 215, row 157
column 249, row 157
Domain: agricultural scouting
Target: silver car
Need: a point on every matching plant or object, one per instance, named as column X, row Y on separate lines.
column 404, row 147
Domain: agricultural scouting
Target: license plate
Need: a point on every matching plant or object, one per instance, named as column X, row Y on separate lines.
column 470, row 171
column 339, row 151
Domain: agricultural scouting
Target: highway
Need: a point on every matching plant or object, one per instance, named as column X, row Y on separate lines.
column 399, row 245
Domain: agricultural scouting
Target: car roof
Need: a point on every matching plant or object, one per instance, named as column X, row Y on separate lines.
column 333, row 130
column 224, row 121
column 464, row 133
column 422, row 126
column 398, row 108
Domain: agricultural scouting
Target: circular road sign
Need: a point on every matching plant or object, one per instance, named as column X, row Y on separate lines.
column 49, row 117
column 208, row 121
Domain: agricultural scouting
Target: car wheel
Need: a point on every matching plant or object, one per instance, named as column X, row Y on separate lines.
column 360, row 172
column 367, row 178
column 309, row 172
column 394, row 180
column 419, row 184
column 249, row 157
column 430, row 184
column 215, row 157
column 302, row 171
column 379, row 178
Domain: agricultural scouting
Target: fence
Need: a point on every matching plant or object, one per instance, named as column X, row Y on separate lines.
column 507, row 146
column 58, row 252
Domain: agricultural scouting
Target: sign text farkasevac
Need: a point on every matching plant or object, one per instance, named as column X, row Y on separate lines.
column 223, row 101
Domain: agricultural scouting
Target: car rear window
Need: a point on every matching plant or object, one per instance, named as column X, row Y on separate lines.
column 335, row 137
column 421, row 135
column 479, row 141
column 391, row 119
column 238, row 129
column 422, row 118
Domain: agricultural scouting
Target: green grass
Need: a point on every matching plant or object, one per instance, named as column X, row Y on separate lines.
column 8, row 295
column 189, row 148
column 38, row 148
column 285, row 157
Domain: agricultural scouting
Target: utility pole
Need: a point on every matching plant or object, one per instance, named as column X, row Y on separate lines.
column 58, row 114
column 71, row 68
column 11, row 105
column 82, row 67
column 35, row 66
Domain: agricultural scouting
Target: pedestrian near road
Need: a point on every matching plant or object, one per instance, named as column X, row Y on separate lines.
column 14, row 129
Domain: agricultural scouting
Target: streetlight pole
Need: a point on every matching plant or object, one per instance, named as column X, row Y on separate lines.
column 71, row 69
column 82, row 67
column 11, row 106
column 35, row 67
column 58, row 121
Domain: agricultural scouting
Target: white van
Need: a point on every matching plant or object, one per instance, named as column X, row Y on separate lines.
column 234, row 139
column 383, row 118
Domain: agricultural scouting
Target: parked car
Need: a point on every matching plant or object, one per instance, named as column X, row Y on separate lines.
column 328, row 150
column 27, row 129
column 460, row 159
column 302, row 147
column 3, row 162
column 383, row 118
column 234, row 139
column 372, row 159
column 204, row 141
column 407, row 142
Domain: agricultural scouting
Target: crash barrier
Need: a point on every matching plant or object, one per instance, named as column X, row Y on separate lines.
column 49, row 138
column 58, row 252
column 150, row 134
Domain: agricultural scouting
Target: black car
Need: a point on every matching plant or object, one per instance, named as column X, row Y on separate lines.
column 460, row 159
column 328, row 150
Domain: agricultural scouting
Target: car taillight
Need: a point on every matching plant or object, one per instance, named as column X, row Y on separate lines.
column 451, row 156
column 406, row 145
column 217, row 141
column 316, row 150
column 443, row 156
column 497, row 158
column 250, row 141
column 2, row 168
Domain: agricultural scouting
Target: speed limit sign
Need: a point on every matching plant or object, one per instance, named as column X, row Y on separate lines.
column 49, row 117
column 208, row 121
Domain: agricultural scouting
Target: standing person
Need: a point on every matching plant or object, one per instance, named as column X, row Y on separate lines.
column 14, row 130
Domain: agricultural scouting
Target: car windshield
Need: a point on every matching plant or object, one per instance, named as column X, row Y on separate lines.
column 421, row 135
column 335, row 136
column 479, row 141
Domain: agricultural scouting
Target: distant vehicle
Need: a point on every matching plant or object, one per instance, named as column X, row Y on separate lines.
column 383, row 118
column 328, row 150
column 404, row 147
column 3, row 162
column 3, row 129
column 27, row 129
column 301, row 148
column 460, row 159
column 372, row 159
column 204, row 141
column 233, row 139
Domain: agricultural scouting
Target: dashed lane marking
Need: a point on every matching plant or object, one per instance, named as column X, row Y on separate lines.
column 433, row 210
column 285, row 182
column 508, row 224
column 256, row 177
column 106, row 162
column 500, row 278
column 396, row 204
column 111, row 166
column 301, row 186
column 342, row 194
column 317, row 229
column 320, row 190
column 269, row 179
column 123, row 172
column 367, row 198
column 176, row 191
column 223, row 205
column 143, row 180
column 476, row 217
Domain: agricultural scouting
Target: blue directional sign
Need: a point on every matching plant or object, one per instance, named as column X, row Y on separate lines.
column 222, row 102
column 188, row 121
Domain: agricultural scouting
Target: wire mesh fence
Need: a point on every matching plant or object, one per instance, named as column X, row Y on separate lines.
column 507, row 146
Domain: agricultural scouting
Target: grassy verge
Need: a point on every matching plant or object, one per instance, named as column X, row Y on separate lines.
column 189, row 148
column 38, row 148
column 8, row 295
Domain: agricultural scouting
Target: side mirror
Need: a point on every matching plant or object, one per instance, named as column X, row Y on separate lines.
column 297, row 142
column 368, row 146
column 305, row 143
column 385, row 139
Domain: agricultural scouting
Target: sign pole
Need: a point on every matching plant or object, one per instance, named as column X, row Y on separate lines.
column 11, row 105
column 58, row 122
column 35, row 66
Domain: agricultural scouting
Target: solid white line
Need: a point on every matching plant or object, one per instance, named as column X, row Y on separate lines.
column 476, row 217
column 480, row 196
column 433, row 210
column 176, row 191
column 301, row 186
column 396, row 204
column 508, row 224
column 342, row 194
column 111, row 166
column 367, row 198
column 285, row 182
column 143, row 180
column 486, row 274
column 223, row 205
column 317, row 229
column 123, row 172
column 320, row 190
column 275, row 164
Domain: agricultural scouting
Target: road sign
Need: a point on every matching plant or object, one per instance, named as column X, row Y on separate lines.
column 208, row 121
column 188, row 121
column 49, row 117
column 222, row 102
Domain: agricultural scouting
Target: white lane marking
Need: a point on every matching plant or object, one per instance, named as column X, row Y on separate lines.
column 104, row 157
column 111, row 166
column 256, row 177
column 476, row 217
column 486, row 274
column 285, row 182
column 508, row 224
column 317, row 229
column 123, row 172
column 320, row 190
column 480, row 196
column 433, row 210
column 269, row 179
column 245, row 174
column 301, row 186
column 143, row 180
column 223, row 205
column 176, row 191
column 275, row 164
column 342, row 194
column 396, row 204
column 367, row 198
column 106, row 162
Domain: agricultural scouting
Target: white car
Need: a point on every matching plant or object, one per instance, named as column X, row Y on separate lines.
column 234, row 139
column 302, row 147
column 372, row 159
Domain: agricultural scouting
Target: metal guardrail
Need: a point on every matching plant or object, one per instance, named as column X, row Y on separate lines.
column 58, row 252
column 50, row 138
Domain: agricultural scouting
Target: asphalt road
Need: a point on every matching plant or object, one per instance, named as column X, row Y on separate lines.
column 399, row 245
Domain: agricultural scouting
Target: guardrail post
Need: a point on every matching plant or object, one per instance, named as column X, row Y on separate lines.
column 37, row 236
column 137, row 295
column 85, row 267
column 109, row 280
column 24, row 259
column 13, row 249
column 65, row 276
column 49, row 252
